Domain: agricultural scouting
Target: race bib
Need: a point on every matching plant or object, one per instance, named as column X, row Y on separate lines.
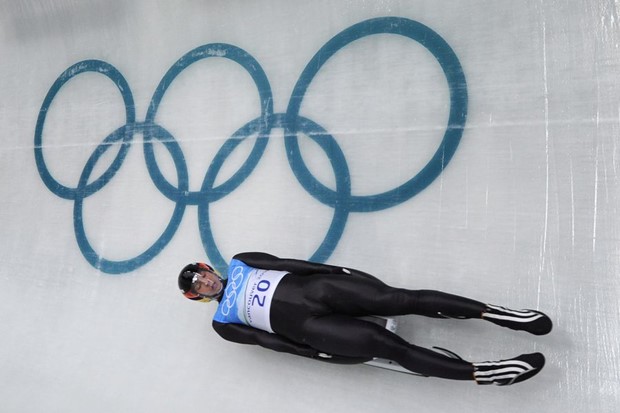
column 248, row 295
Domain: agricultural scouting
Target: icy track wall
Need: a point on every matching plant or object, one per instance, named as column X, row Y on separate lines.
column 469, row 147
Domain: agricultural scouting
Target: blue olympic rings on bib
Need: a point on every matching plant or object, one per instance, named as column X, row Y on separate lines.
column 340, row 199
column 230, row 297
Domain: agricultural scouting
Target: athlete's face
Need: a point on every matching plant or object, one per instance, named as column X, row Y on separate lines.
column 207, row 284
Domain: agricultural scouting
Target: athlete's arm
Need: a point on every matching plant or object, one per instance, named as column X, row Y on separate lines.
column 298, row 267
column 243, row 334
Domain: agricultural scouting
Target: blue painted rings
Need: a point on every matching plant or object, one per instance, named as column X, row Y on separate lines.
column 340, row 199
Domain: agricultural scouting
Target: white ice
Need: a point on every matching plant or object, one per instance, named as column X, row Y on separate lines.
column 525, row 213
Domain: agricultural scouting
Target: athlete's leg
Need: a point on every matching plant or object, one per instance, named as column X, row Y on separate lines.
column 360, row 296
column 347, row 336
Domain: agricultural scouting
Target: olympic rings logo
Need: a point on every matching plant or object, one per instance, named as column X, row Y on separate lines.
column 341, row 199
column 231, row 294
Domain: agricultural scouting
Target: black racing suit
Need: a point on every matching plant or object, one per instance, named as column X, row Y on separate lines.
column 315, row 310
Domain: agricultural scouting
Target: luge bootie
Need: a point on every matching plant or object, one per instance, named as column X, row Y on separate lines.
column 506, row 372
column 532, row 321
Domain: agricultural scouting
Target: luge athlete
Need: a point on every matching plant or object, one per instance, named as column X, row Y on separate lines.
column 311, row 309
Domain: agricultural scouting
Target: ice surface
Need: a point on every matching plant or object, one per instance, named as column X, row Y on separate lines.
column 518, row 206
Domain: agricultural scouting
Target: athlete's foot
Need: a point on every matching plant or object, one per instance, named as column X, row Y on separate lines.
column 506, row 372
column 532, row 321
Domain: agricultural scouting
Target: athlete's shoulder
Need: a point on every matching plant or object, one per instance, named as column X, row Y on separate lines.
column 254, row 255
column 257, row 259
